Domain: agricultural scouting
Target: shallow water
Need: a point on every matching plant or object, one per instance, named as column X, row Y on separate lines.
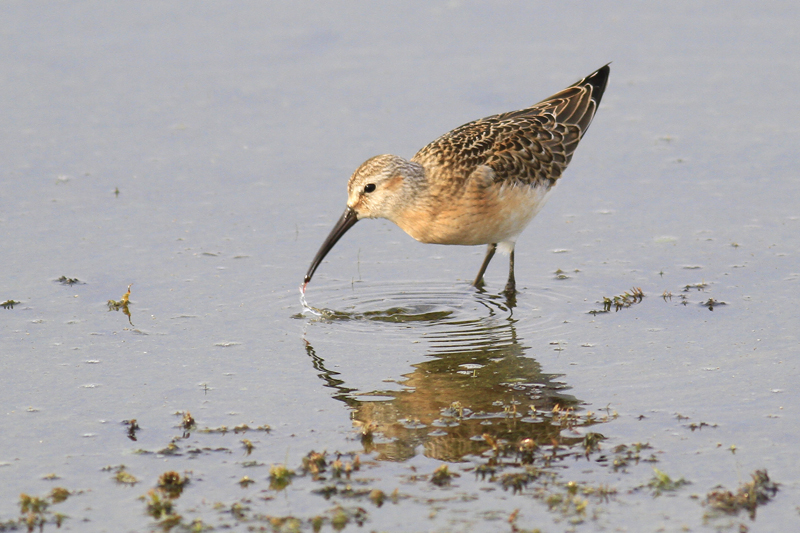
column 201, row 154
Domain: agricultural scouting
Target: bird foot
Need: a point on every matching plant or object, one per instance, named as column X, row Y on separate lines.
column 511, row 289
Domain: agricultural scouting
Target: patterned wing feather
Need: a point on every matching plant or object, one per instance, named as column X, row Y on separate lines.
column 531, row 146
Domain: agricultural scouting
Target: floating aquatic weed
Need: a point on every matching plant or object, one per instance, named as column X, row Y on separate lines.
column 32, row 504
column 517, row 481
column 241, row 428
column 64, row 280
column 9, row 304
column 345, row 491
column 701, row 425
column 701, row 286
column 337, row 468
column 35, row 513
column 170, row 449
column 377, row 496
column 163, row 511
column 591, row 442
column 289, row 524
column 122, row 304
column 187, row 420
column 314, row 463
column 571, row 499
column 661, row 482
column 625, row 455
column 486, row 470
column 442, row 476
column 711, row 303
column 248, row 446
column 759, row 491
column 124, row 477
column 59, row 494
column 172, row 483
column 132, row 427
column 280, row 477
column 158, row 506
column 568, row 505
column 327, row 491
column 456, row 409
column 338, row 517
column 527, row 447
column 238, row 511
column 622, row 301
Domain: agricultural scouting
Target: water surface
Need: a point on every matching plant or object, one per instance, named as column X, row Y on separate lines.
column 200, row 153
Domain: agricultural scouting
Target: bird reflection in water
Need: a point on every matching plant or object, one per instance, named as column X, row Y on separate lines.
column 477, row 391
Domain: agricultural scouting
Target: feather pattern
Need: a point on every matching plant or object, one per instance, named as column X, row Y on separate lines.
column 532, row 146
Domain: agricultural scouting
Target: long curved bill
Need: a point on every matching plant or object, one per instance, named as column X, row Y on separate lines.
column 348, row 219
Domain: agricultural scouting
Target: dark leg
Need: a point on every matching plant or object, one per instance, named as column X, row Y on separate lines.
column 511, row 286
column 489, row 254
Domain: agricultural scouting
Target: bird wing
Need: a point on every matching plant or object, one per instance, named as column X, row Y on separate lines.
column 532, row 146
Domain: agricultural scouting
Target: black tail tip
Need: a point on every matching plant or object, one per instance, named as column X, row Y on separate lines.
column 598, row 80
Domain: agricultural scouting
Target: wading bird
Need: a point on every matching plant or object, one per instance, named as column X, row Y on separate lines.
column 481, row 183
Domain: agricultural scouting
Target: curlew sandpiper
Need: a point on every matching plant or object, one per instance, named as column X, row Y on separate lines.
column 481, row 183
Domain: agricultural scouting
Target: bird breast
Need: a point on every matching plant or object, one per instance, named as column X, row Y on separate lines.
column 482, row 212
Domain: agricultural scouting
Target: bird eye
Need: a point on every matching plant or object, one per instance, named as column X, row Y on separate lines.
column 369, row 187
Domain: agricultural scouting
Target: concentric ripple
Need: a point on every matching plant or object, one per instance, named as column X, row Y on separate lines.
column 388, row 302
column 452, row 316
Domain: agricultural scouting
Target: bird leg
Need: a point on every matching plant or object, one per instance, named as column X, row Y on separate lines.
column 511, row 285
column 490, row 250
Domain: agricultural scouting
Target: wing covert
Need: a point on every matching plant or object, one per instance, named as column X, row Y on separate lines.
column 532, row 146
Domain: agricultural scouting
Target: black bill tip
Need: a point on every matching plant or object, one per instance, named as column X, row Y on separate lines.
column 346, row 221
